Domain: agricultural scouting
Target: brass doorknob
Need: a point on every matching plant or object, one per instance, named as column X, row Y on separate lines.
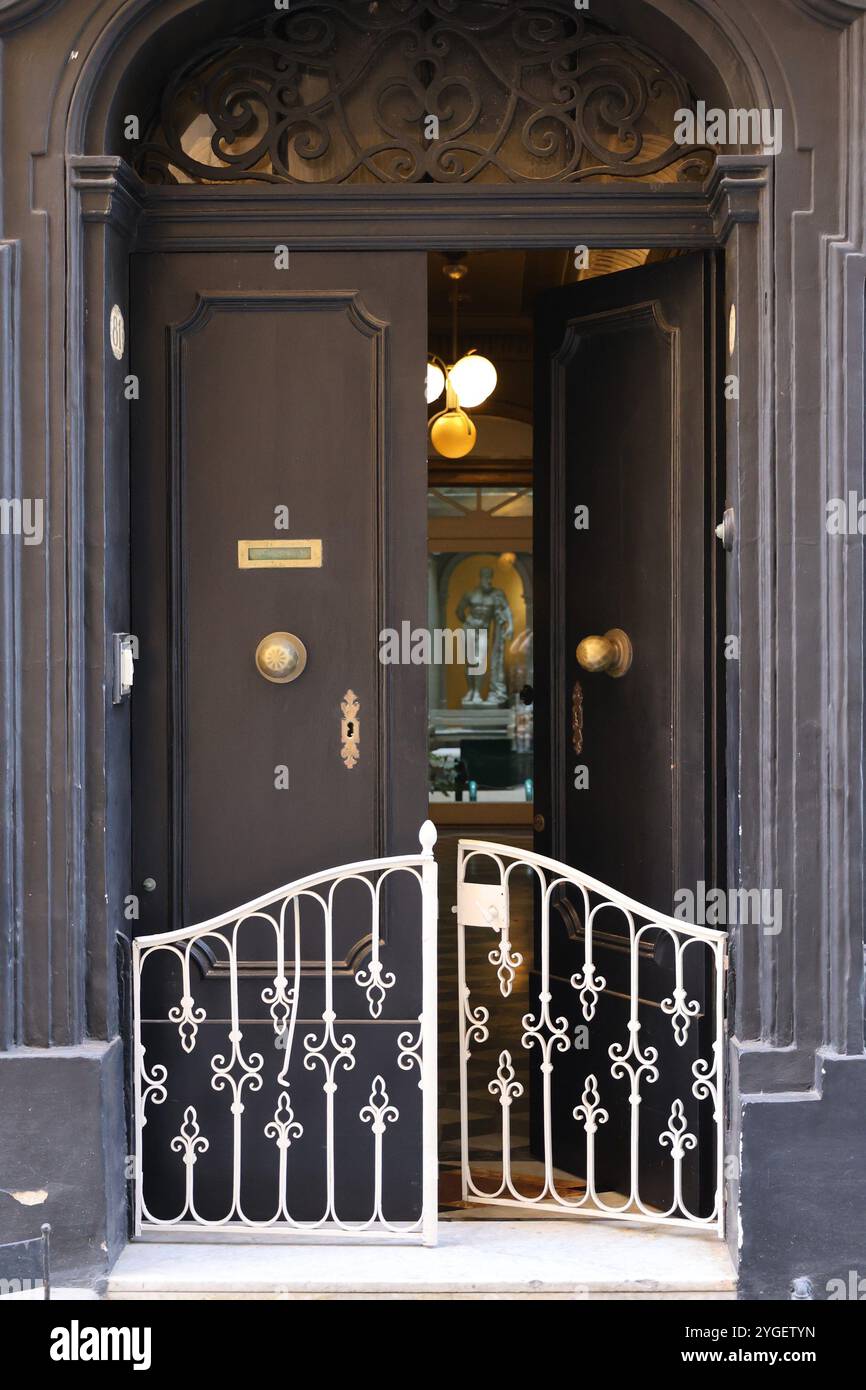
column 611, row 653
column 281, row 657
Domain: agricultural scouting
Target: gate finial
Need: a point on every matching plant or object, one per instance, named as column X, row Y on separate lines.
column 427, row 836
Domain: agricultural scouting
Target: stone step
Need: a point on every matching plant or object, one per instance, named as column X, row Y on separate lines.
column 473, row 1260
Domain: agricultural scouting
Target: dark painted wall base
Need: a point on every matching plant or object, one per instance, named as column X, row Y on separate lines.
column 803, row 1185
column 63, row 1133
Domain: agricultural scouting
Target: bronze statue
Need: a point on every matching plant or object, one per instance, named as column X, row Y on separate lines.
column 483, row 606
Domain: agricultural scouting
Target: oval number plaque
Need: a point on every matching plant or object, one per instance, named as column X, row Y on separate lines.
column 116, row 331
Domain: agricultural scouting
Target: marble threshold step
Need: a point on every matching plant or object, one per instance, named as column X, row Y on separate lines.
column 473, row 1260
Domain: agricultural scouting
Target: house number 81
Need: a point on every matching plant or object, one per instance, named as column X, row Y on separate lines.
column 116, row 331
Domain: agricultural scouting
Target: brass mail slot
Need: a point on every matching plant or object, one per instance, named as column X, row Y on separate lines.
column 257, row 555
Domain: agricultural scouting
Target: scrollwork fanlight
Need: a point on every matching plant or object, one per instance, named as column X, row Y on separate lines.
column 409, row 91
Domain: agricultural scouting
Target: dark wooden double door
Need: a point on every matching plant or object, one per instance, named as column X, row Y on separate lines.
column 271, row 396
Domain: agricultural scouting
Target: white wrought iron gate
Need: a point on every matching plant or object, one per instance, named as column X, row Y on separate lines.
column 321, row 1108
column 586, row 1091
column 591, row 1029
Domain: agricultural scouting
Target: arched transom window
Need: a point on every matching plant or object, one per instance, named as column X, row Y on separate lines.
column 410, row 91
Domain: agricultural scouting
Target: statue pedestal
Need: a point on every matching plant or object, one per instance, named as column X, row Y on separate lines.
column 483, row 739
column 448, row 726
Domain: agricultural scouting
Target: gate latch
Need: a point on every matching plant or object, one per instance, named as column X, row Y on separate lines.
column 125, row 655
column 482, row 905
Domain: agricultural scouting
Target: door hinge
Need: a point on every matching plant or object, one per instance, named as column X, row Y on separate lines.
column 125, row 656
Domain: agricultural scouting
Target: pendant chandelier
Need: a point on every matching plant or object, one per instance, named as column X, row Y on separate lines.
column 467, row 383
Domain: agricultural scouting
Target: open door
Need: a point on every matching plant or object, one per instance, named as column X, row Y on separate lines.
column 624, row 760
column 279, row 524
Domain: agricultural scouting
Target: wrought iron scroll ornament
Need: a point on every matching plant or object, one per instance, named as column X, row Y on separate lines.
column 409, row 91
